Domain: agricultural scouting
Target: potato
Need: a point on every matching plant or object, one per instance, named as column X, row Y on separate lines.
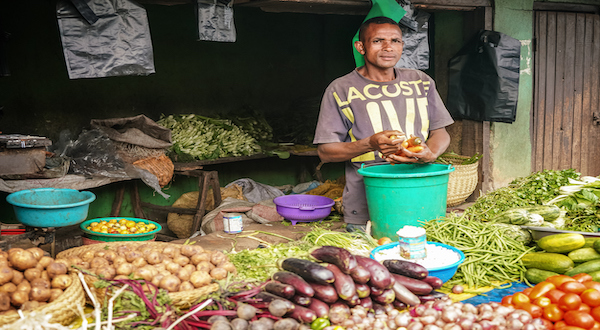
column 189, row 250
column 32, row 273
column 119, row 260
column 9, row 287
column 39, row 267
column 181, row 260
column 3, row 255
column 121, row 277
column 24, row 286
column 45, row 261
column 122, row 250
column 61, row 282
column 64, row 262
column 4, row 301
column 200, row 278
column 205, row 266
column 22, row 260
column 56, row 268
column 191, row 268
column 125, row 269
column 6, row 274
column 107, row 272
column 87, row 256
column 170, row 283
column 229, row 267
column 19, row 297
column 132, row 255
column 30, row 305
column 173, row 267
column 139, row 262
column 183, row 274
column 186, row 286
column 39, row 293
column 17, row 277
column 100, row 254
column 156, row 279
column 74, row 261
column 110, row 256
column 146, row 273
column 40, row 282
column 171, row 251
column 218, row 273
column 54, row 294
column 218, row 257
column 37, row 252
column 160, row 267
column 197, row 258
column 45, row 275
column 98, row 262
column 5, row 263
column 154, row 258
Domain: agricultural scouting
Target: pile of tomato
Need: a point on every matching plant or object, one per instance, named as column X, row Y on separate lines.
column 121, row 226
column 564, row 302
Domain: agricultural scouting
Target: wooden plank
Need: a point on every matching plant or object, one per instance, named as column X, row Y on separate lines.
column 586, row 97
column 549, row 70
column 486, row 165
column 595, row 104
column 568, row 85
column 558, row 90
column 539, row 104
column 578, row 69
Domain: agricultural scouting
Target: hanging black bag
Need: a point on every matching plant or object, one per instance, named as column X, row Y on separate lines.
column 483, row 82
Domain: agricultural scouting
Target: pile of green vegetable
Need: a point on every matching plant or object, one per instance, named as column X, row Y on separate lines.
column 581, row 201
column 197, row 138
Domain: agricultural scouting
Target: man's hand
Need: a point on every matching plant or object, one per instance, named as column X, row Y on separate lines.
column 386, row 142
column 436, row 144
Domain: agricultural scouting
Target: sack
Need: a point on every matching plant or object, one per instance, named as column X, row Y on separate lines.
column 484, row 78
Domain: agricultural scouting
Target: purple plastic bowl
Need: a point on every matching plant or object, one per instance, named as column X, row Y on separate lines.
column 303, row 208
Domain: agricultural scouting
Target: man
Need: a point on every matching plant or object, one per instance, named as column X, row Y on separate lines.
column 366, row 114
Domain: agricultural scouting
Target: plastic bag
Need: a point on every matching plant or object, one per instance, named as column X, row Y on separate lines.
column 256, row 192
column 414, row 25
column 484, row 78
column 215, row 20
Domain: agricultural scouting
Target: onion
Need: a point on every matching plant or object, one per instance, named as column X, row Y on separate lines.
column 418, row 310
column 449, row 315
column 458, row 289
column 428, row 319
column 514, row 324
column 415, row 326
column 431, row 327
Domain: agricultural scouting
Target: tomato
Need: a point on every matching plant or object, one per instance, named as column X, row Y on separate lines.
column 579, row 319
column 582, row 277
column 553, row 313
column 535, row 310
column 591, row 297
column 557, row 280
column 560, row 325
column 527, row 291
column 506, row 301
column 569, row 327
column 584, row 308
column 596, row 313
column 554, row 295
column 572, row 287
column 592, row 285
column 569, row 302
column 384, row 240
column 541, row 289
column 596, row 326
column 542, row 301
column 519, row 299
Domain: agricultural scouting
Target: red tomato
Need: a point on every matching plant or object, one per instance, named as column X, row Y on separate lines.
column 535, row 310
column 557, row 280
column 579, row 319
column 553, row 313
column 560, row 325
column 572, row 287
column 541, row 289
column 596, row 313
column 548, row 325
column 506, row 301
column 584, row 308
column 591, row 297
column 596, row 326
column 592, row 285
column 569, row 302
column 542, row 301
column 583, row 277
column 527, row 291
column 569, row 327
column 519, row 299
column 554, row 295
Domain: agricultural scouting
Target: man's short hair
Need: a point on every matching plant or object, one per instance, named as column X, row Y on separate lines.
column 373, row 20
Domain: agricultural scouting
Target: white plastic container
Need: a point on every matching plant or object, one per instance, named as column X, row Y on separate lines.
column 412, row 242
column 232, row 223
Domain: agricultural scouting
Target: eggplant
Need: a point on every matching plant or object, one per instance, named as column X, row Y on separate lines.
column 301, row 300
column 433, row 295
column 353, row 301
column 325, row 292
column 319, row 307
column 308, row 270
column 405, row 295
column 340, row 257
column 303, row 314
column 399, row 305
column 360, row 274
column 378, row 309
column 406, row 268
column 417, row 287
column 367, row 303
column 435, row 282
column 362, row 290
column 387, row 297
column 344, row 285
column 299, row 284
column 380, row 276
column 269, row 297
column 277, row 288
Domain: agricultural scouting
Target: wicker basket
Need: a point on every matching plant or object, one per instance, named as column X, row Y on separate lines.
column 182, row 300
column 64, row 309
column 462, row 181
column 161, row 166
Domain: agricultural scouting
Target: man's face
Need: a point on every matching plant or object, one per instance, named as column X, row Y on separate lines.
column 382, row 45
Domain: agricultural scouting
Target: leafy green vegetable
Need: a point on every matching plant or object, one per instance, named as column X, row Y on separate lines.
column 581, row 201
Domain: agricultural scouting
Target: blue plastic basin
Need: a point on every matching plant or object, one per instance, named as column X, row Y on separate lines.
column 51, row 207
column 443, row 273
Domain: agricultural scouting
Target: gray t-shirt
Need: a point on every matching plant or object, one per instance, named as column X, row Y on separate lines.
column 354, row 107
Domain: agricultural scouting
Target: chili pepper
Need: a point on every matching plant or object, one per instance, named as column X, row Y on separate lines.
column 320, row 323
column 413, row 145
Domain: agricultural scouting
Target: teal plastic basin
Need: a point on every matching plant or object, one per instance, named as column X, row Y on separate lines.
column 50, row 207
column 404, row 194
column 92, row 235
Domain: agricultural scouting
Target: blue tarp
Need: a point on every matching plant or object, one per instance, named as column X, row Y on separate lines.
column 496, row 295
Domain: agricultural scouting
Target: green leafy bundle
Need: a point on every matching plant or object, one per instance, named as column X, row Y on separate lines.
column 581, row 201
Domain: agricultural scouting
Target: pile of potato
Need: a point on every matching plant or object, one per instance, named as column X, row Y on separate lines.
column 29, row 279
column 172, row 267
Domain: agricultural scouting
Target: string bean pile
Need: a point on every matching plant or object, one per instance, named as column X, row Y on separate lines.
column 491, row 258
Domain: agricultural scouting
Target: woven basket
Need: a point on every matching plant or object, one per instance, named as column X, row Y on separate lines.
column 462, row 181
column 64, row 309
column 182, row 300
column 161, row 166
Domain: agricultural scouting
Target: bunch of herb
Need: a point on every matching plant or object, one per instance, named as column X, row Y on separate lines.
column 356, row 242
column 536, row 189
column 581, row 201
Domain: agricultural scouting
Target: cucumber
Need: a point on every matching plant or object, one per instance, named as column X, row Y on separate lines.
column 561, row 243
column 513, row 216
column 583, row 255
column 586, row 267
column 589, row 241
column 595, row 275
column 554, row 262
column 534, row 275
column 596, row 245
